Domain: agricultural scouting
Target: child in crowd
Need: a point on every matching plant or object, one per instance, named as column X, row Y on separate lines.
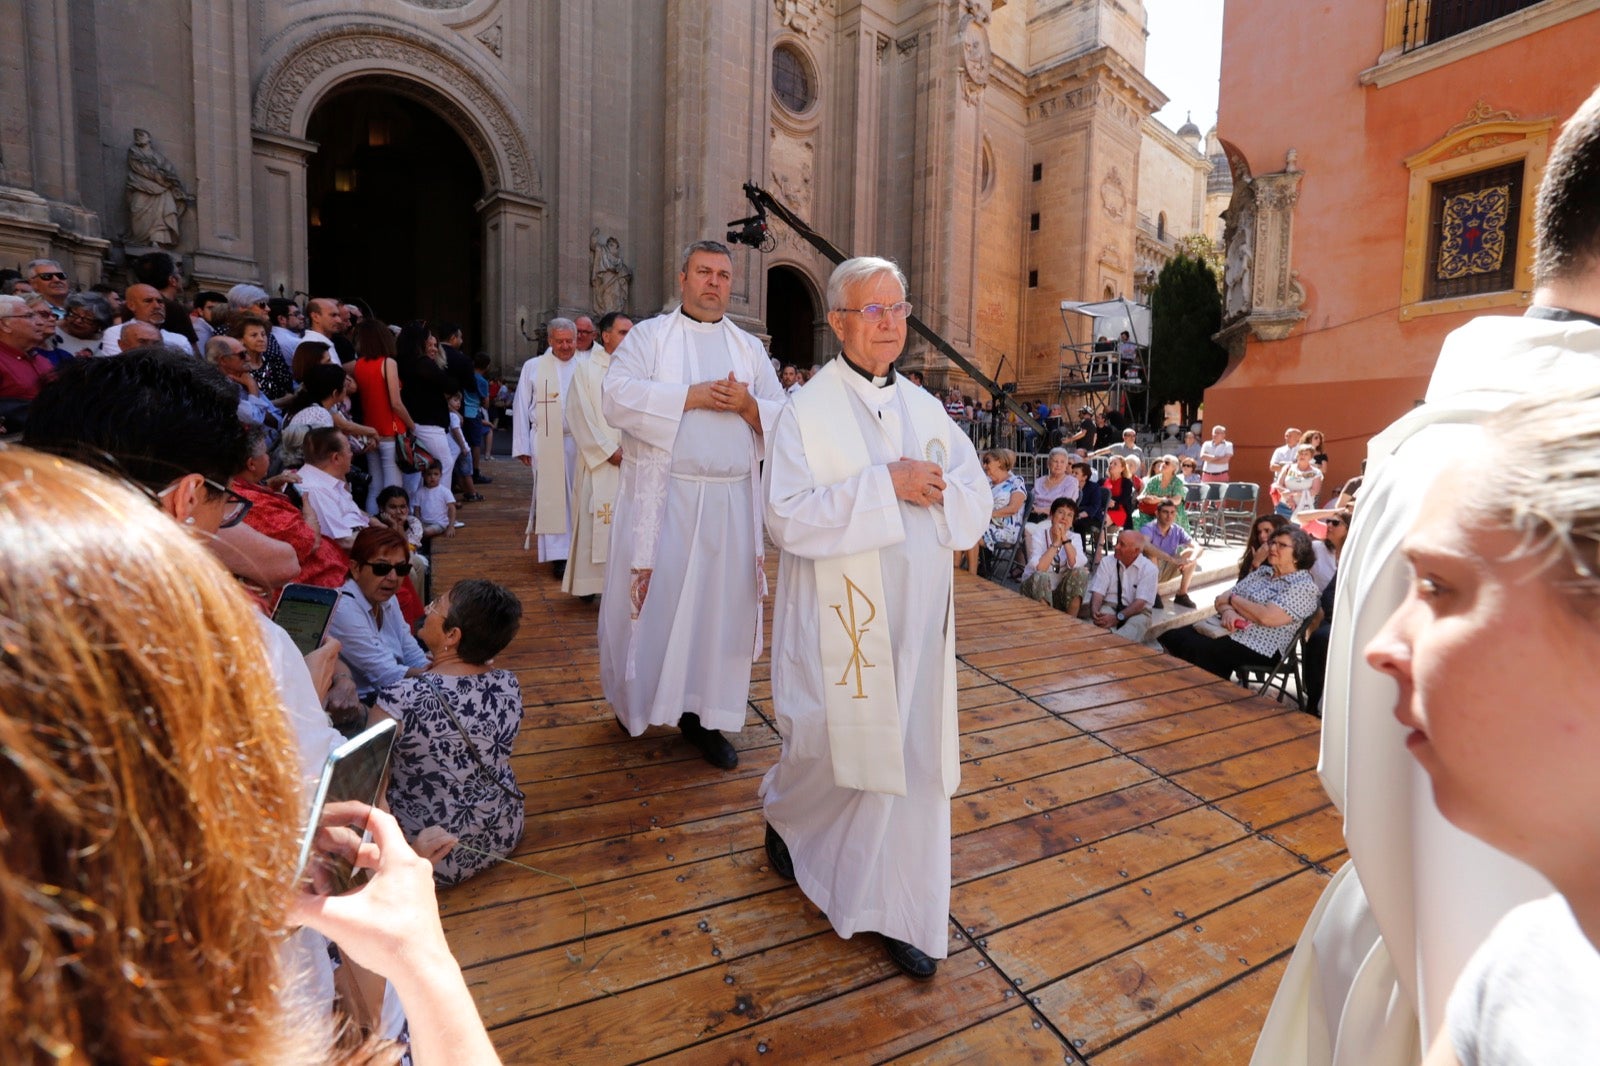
column 436, row 505
column 394, row 511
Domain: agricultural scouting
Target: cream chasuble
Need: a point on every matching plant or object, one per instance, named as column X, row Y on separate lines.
column 539, row 431
column 594, row 478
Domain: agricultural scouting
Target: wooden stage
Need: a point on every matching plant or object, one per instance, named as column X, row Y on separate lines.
column 1136, row 846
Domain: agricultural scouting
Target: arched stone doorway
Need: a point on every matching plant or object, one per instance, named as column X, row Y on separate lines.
column 793, row 318
column 336, row 55
column 389, row 208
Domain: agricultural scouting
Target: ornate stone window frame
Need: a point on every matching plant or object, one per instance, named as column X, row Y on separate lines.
column 1484, row 140
column 791, row 121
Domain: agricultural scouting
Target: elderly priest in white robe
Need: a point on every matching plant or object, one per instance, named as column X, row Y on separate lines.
column 695, row 398
column 870, row 486
column 597, row 473
column 541, row 438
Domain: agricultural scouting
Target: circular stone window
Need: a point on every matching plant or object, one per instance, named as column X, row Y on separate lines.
column 792, row 82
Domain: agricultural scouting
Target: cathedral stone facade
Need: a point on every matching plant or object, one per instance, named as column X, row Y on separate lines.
column 500, row 161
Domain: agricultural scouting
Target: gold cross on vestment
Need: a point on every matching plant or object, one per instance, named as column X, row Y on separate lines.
column 855, row 631
column 604, row 514
column 544, row 416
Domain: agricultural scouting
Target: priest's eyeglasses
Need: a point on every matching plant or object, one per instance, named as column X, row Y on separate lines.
column 878, row 312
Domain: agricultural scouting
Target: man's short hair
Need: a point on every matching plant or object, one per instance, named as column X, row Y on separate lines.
column 154, row 269
column 1566, row 226
column 95, row 304
column 562, row 324
column 221, row 345
column 150, row 415
column 861, row 268
column 203, row 300
column 714, row 247
column 322, row 444
column 34, row 264
column 278, row 307
column 488, row 616
column 1130, row 432
column 11, row 306
column 609, row 319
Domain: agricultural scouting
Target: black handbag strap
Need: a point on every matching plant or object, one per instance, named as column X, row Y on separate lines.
column 472, row 748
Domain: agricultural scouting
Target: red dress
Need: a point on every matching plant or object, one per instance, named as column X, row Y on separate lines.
column 322, row 561
column 372, row 395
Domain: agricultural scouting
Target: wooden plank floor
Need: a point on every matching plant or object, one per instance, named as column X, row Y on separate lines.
column 1136, row 846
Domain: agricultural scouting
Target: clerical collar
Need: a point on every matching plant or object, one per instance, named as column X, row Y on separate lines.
column 1560, row 314
column 698, row 321
column 881, row 382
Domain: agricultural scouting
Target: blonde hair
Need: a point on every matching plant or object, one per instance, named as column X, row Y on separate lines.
column 1004, row 456
column 1547, row 490
column 150, row 798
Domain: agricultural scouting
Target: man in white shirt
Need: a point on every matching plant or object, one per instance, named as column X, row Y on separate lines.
column 1283, row 456
column 1123, row 589
column 145, row 304
column 1216, row 456
column 325, row 316
column 322, row 483
column 789, row 378
column 1129, row 447
column 288, row 322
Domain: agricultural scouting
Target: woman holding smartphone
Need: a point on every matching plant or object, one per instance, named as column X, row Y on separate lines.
column 113, row 705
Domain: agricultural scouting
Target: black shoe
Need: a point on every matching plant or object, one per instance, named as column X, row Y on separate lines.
column 560, row 569
column 1182, row 600
column 591, row 598
column 1159, row 604
column 483, row 479
column 778, row 855
column 714, row 747
column 914, row 963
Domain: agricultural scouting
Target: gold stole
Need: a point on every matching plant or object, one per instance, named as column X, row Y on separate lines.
column 859, row 692
column 549, row 451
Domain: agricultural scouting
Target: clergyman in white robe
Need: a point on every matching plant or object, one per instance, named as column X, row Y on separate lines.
column 594, row 478
column 688, row 512
column 871, row 860
column 527, row 414
column 1383, row 947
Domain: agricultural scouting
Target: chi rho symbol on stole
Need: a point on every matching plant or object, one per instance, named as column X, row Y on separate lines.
column 855, row 630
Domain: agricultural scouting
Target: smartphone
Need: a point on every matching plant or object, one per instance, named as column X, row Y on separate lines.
column 303, row 611
column 354, row 779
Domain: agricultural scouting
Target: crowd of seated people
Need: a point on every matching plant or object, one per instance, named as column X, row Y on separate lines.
column 205, row 669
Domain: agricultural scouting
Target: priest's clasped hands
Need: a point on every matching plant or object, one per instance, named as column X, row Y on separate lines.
column 729, row 395
column 917, row 482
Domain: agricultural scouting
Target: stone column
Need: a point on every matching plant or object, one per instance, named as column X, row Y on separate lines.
column 224, row 245
column 278, row 187
column 718, row 87
column 512, row 242
column 576, row 158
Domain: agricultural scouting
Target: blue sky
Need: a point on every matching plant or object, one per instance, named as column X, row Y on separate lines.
column 1183, row 56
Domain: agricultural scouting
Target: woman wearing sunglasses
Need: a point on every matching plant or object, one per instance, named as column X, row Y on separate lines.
column 378, row 644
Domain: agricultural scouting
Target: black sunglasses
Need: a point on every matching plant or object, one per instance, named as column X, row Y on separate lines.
column 383, row 569
column 51, row 275
column 1334, row 522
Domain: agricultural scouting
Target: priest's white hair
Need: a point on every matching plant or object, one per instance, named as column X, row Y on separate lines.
column 861, row 268
column 561, row 323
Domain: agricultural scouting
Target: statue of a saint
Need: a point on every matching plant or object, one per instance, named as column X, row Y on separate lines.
column 156, row 196
column 610, row 279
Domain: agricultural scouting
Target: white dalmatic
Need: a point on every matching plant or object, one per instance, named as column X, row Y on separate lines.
column 688, row 514
column 870, row 860
column 594, row 479
column 539, row 430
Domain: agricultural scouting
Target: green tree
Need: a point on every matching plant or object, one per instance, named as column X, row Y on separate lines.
column 1185, row 310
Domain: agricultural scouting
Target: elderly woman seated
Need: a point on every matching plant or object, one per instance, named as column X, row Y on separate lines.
column 1010, row 497
column 1261, row 615
column 1057, row 572
column 452, row 763
column 378, row 644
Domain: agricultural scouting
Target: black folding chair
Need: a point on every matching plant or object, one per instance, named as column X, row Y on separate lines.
column 1277, row 674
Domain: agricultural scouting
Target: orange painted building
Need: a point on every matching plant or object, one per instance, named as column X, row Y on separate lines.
column 1385, row 157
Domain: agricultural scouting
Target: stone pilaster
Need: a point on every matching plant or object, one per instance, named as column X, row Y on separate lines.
column 223, row 237
column 513, row 238
column 278, row 183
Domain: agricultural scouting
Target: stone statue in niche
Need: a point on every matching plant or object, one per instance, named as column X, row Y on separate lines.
column 156, row 196
column 1240, row 267
column 973, row 33
column 610, row 279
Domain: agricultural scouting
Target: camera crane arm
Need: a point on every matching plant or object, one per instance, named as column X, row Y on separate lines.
column 753, row 232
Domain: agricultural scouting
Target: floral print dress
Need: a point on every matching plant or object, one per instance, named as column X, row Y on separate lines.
column 1004, row 531
column 435, row 779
